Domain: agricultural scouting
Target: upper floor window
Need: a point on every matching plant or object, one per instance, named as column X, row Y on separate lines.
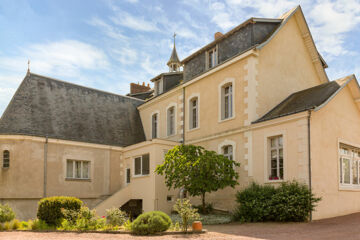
column 142, row 165
column 227, row 101
column 154, row 124
column 6, row 159
column 194, row 113
column 212, row 58
column 349, row 166
column 171, row 121
column 158, row 87
column 228, row 151
column 276, row 158
column 76, row 169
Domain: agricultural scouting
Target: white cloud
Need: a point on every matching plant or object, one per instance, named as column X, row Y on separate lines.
column 125, row 19
column 109, row 30
column 63, row 58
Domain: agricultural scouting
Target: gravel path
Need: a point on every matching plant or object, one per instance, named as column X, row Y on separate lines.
column 346, row 227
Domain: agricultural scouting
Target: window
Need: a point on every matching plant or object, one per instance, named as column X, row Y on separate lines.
column 193, row 113
column 6, row 159
column 227, row 102
column 169, row 198
column 171, row 121
column 128, row 175
column 228, row 151
column 158, row 87
column 276, row 163
column 349, row 166
column 77, row 169
column 212, row 58
column 154, row 123
column 142, row 165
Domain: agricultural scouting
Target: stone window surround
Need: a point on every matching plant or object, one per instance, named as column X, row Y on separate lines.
column 220, row 102
column 172, row 104
column 158, row 124
column 191, row 97
column 227, row 142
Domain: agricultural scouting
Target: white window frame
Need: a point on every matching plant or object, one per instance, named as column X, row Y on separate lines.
column 141, row 164
column 74, row 170
column 214, row 62
column 267, row 146
column 159, row 87
column 167, row 120
column 221, row 88
column 353, row 156
column 188, row 115
column 227, row 143
column 151, row 124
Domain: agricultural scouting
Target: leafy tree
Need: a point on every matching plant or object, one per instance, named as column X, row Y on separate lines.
column 197, row 170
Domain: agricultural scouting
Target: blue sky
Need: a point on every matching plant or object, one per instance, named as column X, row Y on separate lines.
column 107, row 44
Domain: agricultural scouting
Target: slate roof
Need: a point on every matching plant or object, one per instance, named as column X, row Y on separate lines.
column 142, row 95
column 174, row 57
column 44, row 106
column 302, row 101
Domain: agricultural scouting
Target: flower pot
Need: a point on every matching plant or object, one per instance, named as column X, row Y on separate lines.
column 197, row 226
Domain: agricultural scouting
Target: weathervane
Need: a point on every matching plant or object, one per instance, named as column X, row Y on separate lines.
column 28, row 66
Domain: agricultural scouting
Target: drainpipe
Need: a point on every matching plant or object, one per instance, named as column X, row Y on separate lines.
column 184, row 115
column 45, row 164
column 309, row 156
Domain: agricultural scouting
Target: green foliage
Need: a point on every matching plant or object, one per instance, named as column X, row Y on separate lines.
column 116, row 217
column 197, row 170
column 39, row 225
column 209, row 208
column 187, row 213
column 24, row 225
column 150, row 223
column 7, row 226
column 291, row 201
column 49, row 209
column 127, row 225
column 6, row 213
column 15, row 224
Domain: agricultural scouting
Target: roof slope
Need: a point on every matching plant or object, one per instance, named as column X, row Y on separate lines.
column 303, row 100
column 47, row 107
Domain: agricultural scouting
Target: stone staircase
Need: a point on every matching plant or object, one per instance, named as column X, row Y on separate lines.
column 118, row 199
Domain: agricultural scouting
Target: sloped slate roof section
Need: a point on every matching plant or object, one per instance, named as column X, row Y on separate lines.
column 301, row 101
column 47, row 107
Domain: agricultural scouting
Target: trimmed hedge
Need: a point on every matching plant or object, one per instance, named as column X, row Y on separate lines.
column 49, row 209
column 150, row 223
column 6, row 213
column 290, row 202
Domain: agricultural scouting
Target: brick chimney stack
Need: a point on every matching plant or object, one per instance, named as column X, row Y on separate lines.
column 218, row 35
column 138, row 88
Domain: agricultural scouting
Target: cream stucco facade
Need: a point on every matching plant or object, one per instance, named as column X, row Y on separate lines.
column 260, row 78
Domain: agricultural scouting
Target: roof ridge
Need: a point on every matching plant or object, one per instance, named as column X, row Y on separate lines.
column 85, row 87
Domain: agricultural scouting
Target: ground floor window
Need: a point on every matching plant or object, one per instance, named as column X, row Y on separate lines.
column 276, row 158
column 349, row 165
column 77, row 169
column 142, row 165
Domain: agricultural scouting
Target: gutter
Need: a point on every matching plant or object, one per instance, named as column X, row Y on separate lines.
column 45, row 164
column 309, row 156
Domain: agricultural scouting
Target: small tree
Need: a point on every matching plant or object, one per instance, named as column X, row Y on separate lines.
column 184, row 208
column 197, row 170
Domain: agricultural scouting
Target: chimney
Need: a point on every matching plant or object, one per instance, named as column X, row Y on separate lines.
column 218, row 35
column 137, row 88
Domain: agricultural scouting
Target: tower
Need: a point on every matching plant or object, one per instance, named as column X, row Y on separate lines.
column 174, row 62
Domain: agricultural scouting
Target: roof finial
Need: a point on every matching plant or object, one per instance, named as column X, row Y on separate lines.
column 174, row 37
column 28, row 70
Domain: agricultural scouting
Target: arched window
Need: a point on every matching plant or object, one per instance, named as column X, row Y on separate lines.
column 171, row 121
column 154, row 124
column 228, row 151
column 194, row 113
column 226, row 101
column 6, row 159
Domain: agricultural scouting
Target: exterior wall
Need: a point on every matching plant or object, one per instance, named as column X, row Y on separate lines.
column 338, row 121
column 160, row 105
column 285, row 61
column 22, row 185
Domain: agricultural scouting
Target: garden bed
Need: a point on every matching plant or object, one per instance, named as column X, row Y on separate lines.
column 207, row 219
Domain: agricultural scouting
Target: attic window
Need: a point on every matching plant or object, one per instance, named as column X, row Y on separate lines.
column 158, row 87
column 212, row 57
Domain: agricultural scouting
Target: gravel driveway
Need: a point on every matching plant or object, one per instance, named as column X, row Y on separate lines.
column 346, row 227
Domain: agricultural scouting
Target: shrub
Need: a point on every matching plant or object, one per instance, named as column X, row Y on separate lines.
column 115, row 217
column 15, row 224
column 187, row 213
column 24, row 225
column 209, row 208
column 7, row 226
column 38, row 224
column 291, row 201
column 49, row 209
column 150, row 223
column 6, row 213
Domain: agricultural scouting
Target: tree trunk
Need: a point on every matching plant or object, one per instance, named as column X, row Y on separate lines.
column 203, row 201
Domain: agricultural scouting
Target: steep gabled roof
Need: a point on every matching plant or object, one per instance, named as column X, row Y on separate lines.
column 44, row 106
column 304, row 100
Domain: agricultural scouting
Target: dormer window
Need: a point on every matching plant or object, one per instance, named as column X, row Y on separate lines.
column 158, row 87
column 212, row 58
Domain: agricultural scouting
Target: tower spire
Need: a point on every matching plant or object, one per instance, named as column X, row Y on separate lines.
column 174, row 62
